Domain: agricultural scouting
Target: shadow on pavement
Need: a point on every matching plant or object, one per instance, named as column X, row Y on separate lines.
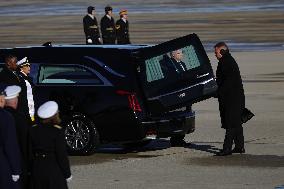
column 107, row 153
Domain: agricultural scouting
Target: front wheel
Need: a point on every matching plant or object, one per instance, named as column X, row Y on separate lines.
column 81, row 135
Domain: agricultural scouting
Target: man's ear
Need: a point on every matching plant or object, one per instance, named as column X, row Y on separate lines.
column 223, row 51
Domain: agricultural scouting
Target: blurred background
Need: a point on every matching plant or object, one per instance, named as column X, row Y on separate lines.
column 245, row 24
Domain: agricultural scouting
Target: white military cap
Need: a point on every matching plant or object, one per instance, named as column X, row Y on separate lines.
column 23, row 62
column 47, row 110
column 12, row 91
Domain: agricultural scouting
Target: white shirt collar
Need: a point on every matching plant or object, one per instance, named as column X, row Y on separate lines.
column 108, row 16
column 124, row 20
column 92, row 16
column 24, row 73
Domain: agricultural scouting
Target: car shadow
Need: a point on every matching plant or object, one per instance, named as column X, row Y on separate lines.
column 153, row 145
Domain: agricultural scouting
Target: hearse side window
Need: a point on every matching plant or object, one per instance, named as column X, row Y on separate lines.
column 67, row 74
column 162, row 66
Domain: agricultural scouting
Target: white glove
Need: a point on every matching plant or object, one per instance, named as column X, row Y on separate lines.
column 15, row 178
column 69, row 179
column 100, row 40
column 89, row 41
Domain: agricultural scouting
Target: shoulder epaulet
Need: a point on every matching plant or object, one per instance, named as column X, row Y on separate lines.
column 57, row 126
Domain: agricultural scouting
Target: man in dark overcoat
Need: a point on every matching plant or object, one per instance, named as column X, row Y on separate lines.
column 231, row 100
column 108, row 27
column 91, row 28
column 10, row 163
column 122, row 28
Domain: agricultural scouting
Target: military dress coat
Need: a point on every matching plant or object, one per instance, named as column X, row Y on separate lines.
column 50, row 167
column 91, row 29
column 12, row 78
column 108, row 30
column 23, row 138
column 10, row 161
column 29, row 92
column 122, row 32
column 230, row 92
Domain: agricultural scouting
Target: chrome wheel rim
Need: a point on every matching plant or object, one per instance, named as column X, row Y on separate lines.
column 77, row 134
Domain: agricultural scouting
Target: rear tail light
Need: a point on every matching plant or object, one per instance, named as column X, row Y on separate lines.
column 132, row 100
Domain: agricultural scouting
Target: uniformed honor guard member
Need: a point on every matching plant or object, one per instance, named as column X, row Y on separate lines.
column 24, row 71
column 91, row 28
column 108, row 26
column 9, row 76
column 22, row 130
column 122, row 28
column 51, row 167
column 10, row 161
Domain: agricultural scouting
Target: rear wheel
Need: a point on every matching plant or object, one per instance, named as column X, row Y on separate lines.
column 81, row 135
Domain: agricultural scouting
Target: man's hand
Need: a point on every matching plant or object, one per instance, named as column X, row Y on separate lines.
column 69, row 179
column 89, row 41
column 15, row 178
column 100, row 40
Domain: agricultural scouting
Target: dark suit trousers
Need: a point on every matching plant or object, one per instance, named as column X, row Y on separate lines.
column 234, row 135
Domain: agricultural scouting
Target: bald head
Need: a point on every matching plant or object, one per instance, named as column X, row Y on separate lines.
column 220, row 49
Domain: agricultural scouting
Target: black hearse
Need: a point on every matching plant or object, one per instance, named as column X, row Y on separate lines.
column 120, row 93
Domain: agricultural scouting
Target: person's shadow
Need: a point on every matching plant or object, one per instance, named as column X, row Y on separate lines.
column 204, row 147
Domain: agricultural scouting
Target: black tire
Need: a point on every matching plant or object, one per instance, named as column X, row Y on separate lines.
column 81, row 135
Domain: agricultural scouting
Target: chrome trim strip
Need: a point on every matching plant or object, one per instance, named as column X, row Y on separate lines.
column 181, row 90
column 163, row 121
column 203, row 75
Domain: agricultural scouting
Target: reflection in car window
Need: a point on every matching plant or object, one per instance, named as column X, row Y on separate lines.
column 67, row 74
column 171, row 63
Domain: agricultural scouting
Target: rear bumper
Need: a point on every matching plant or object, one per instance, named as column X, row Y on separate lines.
column 171, row 126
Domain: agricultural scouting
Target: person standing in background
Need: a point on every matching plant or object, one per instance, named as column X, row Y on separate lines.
column 108, row 27
column 10, row 161
column 122, row 28
column 23, row 72
column 91, row 28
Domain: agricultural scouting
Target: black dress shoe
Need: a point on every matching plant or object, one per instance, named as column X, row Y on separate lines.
column 223, row 153
column 238, row 150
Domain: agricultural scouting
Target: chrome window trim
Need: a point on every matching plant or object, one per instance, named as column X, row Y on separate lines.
column 181, row 90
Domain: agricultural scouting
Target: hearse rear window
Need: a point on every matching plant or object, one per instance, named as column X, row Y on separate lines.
column 67, row 74
column 171, row 63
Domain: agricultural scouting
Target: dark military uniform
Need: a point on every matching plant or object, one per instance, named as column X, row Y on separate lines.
column 9, row 152
column 12, row 78
column 22, row 130
column 231, row 101
column 122, row 32
column 50, row 161
column 108, row 30
column 91, row 29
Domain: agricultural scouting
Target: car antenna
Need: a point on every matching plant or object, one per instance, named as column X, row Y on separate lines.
column 47, row 44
